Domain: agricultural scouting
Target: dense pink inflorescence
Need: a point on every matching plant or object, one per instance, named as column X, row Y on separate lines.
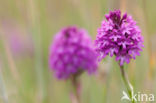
column 72, row 52
column 119, row 36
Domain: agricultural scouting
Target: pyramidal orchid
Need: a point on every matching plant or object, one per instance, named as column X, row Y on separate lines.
column 72, row 53
column 119, row 36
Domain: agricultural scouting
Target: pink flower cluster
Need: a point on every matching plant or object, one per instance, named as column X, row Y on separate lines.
column 120, row 36
column 72, row 52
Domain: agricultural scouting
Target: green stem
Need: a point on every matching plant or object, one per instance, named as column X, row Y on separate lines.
column 76, row 92
column 126, row 82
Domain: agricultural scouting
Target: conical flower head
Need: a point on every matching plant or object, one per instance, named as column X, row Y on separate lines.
column 72, row 52
column 120, row 36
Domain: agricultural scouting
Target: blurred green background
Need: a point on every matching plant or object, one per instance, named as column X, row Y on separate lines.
column 27, row 28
